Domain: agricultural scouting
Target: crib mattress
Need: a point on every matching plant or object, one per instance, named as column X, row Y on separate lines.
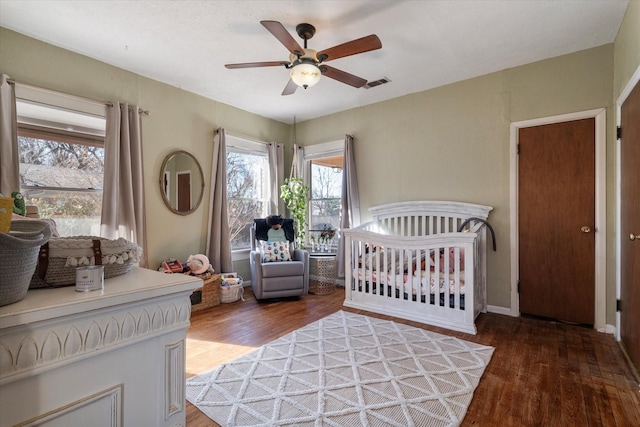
column 420, row 279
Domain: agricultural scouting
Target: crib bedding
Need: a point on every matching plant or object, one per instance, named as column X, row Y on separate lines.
column 404, row 281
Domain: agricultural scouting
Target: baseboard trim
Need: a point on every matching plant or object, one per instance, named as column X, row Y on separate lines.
column 499, row 310
column 608, row 329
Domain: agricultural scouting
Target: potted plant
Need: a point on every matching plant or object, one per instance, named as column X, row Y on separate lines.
column 295, row 193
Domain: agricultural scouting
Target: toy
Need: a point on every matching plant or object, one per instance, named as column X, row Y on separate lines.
column 19, row 206
column 276, row 232
column 274, row 221
column 198, row 264
column 171, row 266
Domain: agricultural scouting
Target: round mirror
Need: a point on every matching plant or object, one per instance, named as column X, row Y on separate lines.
column 181, row 182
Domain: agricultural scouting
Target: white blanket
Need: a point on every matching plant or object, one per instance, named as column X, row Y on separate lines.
column 409, row 282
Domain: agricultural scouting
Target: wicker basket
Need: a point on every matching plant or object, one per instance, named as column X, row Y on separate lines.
column 59, row 259
column 209, row 292
column 231, row 292
column 19, row 253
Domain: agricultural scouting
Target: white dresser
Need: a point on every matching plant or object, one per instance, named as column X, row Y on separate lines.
column 102, row 358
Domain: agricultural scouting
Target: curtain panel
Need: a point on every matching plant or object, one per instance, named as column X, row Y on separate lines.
column 276, row 172
column 9, row 166
column 297, row 164
column 350, row 216
column 218, row 239
column 123, row 205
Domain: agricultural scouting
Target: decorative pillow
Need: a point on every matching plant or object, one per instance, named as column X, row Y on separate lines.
column 275, row 251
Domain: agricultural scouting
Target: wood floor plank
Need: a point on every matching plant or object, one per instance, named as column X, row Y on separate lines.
column 541, row 373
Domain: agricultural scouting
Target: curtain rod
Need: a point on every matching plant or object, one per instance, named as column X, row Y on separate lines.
column 108, row 104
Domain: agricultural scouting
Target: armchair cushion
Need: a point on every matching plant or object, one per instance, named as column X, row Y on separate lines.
column 275, row 251
column 283, row 269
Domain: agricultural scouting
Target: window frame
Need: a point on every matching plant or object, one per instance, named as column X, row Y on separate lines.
column 242, row 145
column 316, row 152
column 49, row 115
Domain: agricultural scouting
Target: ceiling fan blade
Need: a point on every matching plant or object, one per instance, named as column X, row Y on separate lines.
column 290, row 88
column 257, row 64
column 361, row 45
column 281, row 33
column 342, row 76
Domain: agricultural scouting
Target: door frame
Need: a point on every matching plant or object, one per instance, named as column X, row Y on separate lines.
column 635, row 79
column 600, row 309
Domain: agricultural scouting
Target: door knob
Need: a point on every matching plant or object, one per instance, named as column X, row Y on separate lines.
column 633, row 237
column 585, row 229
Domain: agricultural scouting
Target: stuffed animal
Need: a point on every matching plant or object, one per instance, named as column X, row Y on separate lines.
column 19, row 206
column 198, row 264
column 276, row 232
column 274, row 221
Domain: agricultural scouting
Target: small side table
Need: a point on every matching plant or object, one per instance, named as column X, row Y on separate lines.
column 323, row 270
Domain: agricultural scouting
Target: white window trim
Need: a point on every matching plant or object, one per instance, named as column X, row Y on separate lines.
column 60, row 111
column 49, row 108
column 325, row 149
column 319, row 151
column 56, row 110
column 245, row 145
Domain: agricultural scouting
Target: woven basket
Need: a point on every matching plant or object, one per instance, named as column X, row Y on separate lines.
column 231, row 292
column 209, row 292
column 59, row 259
column 19, row 254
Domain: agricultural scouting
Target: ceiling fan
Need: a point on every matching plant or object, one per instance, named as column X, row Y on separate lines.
column 307, row 65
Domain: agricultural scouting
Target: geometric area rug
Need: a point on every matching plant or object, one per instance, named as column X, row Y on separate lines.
column 345, row 370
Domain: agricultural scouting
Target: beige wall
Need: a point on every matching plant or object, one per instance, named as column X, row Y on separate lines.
column 450, row 143
column 179, row 120
column 626, row 53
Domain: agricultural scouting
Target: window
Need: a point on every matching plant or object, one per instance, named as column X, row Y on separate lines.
column 324, row 170
column 62, row 178
column 247, row 192
column 61, row 156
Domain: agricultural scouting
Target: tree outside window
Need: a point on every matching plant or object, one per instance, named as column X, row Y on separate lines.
column 64, row 179
column 247, row 176
column 326, row 192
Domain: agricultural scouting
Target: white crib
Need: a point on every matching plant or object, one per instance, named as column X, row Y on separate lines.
column 412, row 262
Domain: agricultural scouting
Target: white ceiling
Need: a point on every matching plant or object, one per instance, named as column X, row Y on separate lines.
column 425, row 44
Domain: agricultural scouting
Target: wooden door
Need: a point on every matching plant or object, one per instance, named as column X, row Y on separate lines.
column 184, row 192
column 630, row 225
column 556, row 220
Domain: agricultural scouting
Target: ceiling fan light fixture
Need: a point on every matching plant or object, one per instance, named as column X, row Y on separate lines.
column 305, row 73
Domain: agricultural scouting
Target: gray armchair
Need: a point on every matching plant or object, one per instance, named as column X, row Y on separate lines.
column 277, row 279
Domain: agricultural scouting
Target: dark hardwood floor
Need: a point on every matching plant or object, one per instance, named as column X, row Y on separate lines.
column 541, row 373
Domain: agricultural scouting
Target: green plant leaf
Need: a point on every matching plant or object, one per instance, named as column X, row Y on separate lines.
column 295, row 194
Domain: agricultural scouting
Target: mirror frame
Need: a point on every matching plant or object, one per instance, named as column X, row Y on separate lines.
column 166, row 201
